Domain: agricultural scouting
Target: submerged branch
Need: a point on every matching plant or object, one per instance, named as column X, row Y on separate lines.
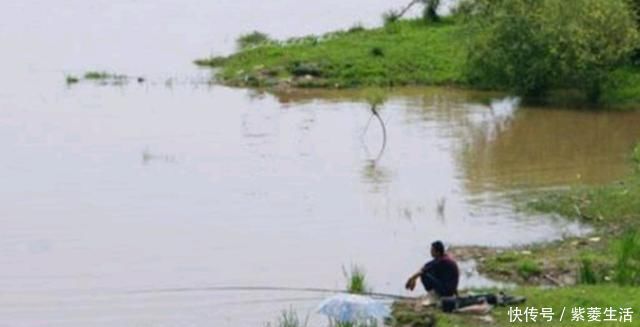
column 384, row 132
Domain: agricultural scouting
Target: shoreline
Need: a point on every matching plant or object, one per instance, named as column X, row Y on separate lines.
column 406, row 53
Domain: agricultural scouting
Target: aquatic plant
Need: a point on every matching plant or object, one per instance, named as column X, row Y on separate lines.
column 96, row 75
column 252, row 39
column 356, row 280
column 290, row 318
column 70, row 79
column 211, row 62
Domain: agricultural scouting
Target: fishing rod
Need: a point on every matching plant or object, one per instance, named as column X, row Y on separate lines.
column 267, row 288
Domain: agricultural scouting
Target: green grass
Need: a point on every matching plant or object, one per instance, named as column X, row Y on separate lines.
column 617, row 203
column 612, row 255
column 402, row 52
column 356, row 280
column 627, row 250
column 584, row 296
column 407, row 52
column 602, row 296
column 569, row 297
column 290, row 318
column 529, row 268
column 252, row 39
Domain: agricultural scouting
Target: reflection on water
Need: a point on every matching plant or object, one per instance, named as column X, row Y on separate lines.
column 376, row 175
column 543, row 147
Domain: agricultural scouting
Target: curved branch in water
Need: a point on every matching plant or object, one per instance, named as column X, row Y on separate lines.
column 384, row 132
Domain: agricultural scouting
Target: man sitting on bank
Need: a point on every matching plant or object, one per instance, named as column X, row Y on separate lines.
column 439, row 276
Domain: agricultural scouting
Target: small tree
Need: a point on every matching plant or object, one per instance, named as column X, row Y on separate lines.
column 531, row 46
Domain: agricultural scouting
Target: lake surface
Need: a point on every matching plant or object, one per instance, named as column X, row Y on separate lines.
column 109, row 190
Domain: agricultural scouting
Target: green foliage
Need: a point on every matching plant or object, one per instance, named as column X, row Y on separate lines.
column 413, row 53
column 617, row 203
column 96, row 75
column 356, row 280
column 430, row 11
column 376, row 97
column 70, row 79
column 636, row 155
column 211, row 62
column 529, row 268
column 602, row 296
column 390, row 17
column 377, row 52
column 586, row 272
column 290, row 318
column 531, row 47
column 356, row 28
column 627, row 268
column 252, row 39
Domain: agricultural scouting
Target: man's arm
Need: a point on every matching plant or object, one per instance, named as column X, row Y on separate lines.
column 411, row 282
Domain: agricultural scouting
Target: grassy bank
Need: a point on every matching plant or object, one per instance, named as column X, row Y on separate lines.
column 614, row 212
column 411, row 52
column 599, row 296
column 406, row 52
column 615, row 204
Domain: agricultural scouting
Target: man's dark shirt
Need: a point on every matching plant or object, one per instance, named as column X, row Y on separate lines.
column 445, row 270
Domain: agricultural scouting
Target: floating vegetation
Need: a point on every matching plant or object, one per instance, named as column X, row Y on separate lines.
column 148, row 157
column 70, row 79
column 103, row 78
column 95, row 75
column 211, row 62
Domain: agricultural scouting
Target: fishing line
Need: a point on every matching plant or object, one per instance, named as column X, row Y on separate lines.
column 265, row 288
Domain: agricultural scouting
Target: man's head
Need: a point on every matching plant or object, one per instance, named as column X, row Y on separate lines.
column 437, row 249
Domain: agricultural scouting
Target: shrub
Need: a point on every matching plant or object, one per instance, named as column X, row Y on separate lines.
column 532, row 46
column 390, row 17
column 377, row 52
column 252, row 39
column 356, row 28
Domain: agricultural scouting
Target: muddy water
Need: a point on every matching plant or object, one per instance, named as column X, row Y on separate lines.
column 173, row 183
